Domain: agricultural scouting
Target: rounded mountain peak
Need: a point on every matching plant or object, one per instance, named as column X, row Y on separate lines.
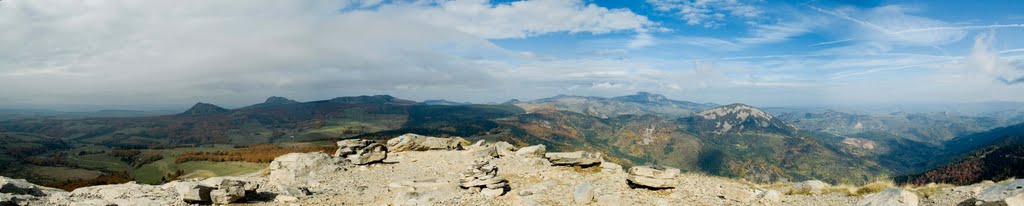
column 202, row 108
column 278, row 100
column 740, row 111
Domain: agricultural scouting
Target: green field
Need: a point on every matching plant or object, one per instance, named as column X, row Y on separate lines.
column 152, row 172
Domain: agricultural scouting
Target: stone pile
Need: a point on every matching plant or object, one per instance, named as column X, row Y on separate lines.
column 653, row 177
column 483, row 176
column 578, row 158
column 360, row 151
column 216, row 190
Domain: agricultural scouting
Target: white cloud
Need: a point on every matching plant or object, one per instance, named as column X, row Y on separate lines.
column 708, row 13
column 884, row 28
column 521, row 19
column 238, row 52
column 641, row 40
column 987, row 61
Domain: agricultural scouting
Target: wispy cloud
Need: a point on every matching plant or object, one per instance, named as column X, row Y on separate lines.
column 960, row 28
column 708, row 13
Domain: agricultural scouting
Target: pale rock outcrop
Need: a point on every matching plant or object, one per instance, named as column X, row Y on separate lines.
column 578, row 158
column 1010, row 193
column 504, row 148
column 611, row 168
column 360, row 151
column 890, row 197
column 653, row 177
column 119, row 194
column 532, row 151
column 810, row 186
column 7, row 199
column 19, row 191
column 415, row 142
column 297, row 169
column 483, row 175
column 22, row 187
column 482, row 152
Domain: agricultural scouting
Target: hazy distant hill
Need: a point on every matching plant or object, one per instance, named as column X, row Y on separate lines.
column 639, row 103
column 992, row 155
column 931, row 128
column 443, row 102
column 735, row 140
column 8, row 114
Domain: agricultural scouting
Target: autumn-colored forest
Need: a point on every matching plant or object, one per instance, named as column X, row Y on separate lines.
column 263, row 153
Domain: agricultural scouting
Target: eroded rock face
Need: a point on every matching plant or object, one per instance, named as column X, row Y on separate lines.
column 360, row 152
column 890, row 197
column 578, row 158
column 653, row 177
column 296, row 169
column 415, row 142
column 483, row 175
column 1010, row 193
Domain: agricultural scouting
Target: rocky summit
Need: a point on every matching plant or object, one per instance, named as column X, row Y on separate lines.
column 434, row 171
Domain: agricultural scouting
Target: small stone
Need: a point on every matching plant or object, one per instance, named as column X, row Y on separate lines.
column 771, row 196
column 583, row 194
column 492, row 192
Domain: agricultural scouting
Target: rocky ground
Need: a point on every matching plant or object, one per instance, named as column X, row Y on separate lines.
column 440, row 176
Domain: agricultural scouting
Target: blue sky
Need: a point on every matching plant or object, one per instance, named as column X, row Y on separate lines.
column 768, row 53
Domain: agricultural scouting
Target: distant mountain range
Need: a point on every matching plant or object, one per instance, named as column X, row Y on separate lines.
column 639, row 103
column 734, row 140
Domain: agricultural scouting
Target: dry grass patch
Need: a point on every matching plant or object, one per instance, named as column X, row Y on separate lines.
column 873, row 187
column 929, row 190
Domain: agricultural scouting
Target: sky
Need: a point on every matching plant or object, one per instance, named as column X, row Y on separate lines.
column 148, row 54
